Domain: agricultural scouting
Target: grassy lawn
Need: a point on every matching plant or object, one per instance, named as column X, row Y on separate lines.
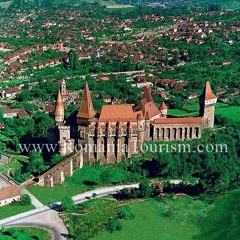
column 49, row 195
column 13, row 209
column 25, row 233
column 231, row 113
column 191, row 108
column 151, row 222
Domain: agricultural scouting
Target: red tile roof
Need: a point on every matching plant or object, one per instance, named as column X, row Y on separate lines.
column 122, row 113
column 178, row 120
column 9, row 192
column 163, row 106
column 208, row 94
column 86, row 108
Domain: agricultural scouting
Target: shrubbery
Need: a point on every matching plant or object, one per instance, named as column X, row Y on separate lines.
column 25, row 200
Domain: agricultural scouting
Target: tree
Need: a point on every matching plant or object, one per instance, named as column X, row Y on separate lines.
column 25, row 200
column 214, row 7
column 125, row 213
column 42, row 122
column 73, row 60
column 113, row 225
column 68, row 204
column 36, row 164
column 145, row 189
column 106, row 176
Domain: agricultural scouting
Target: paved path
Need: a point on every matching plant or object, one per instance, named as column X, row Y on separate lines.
column 47, row 217
column 48, row 220
column 35, row 202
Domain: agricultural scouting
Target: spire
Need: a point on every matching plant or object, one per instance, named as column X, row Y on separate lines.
column 147, row 95
column 163, row 106
column 59, row 108
column 207, row 93
column 86, row 108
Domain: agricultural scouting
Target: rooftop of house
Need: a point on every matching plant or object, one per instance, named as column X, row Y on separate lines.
column 9, row 192
column 6, row 181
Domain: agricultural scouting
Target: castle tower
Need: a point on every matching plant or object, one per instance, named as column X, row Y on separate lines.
column 64, row 91
column 66, row 144
column 85, row 117
column 163, row 110
column 207, row 102
column 59, row 110
column 86, row 112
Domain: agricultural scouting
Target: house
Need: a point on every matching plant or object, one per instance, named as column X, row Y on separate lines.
column 9, row 194
column 10, row 92
column 227, row 62
column 107, row 98
column 9, row 190
column 14, row 112
column 48, row 109
column 192, row 96
column 158, row 186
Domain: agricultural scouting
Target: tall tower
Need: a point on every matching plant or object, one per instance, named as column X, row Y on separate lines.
column 59, row 110
column 86, row 112
column 85, row 117
column 163, row 110
column 64, row 91
column 207, row 103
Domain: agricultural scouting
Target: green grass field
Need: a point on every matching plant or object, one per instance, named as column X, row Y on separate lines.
column 25, row 233
column 150, row 221
column 231, row 113
column 49, row 195
column 191, row 109
column 13, row 209
column 223, row 219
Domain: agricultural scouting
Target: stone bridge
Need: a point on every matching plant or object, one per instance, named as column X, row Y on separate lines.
column 56, row 175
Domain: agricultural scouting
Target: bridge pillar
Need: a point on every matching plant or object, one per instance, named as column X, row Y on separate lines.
column 48, row 181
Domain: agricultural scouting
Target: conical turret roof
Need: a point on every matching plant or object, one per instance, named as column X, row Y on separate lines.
column 86, row 108
column 207, row 93
column 163, row 106
column 59, row 107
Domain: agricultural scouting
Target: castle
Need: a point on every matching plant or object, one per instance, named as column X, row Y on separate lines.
column 119, row 130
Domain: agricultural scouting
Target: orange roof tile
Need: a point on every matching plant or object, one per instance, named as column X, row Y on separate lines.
column 9, row 192
column 147, row 94
column 208, row 94
column 86, row 108
column 178, row 120
column 123, row 113
column 163, row 106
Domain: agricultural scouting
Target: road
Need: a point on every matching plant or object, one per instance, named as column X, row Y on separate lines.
column 46, row 217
